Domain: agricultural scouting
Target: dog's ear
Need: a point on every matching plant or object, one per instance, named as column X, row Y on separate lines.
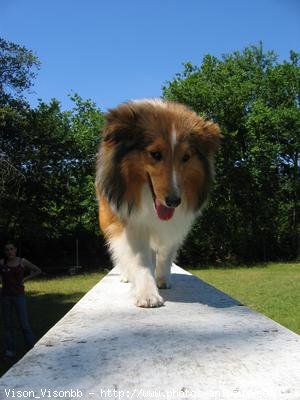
column 121, row 124
column 118, row 138
column 207, row 138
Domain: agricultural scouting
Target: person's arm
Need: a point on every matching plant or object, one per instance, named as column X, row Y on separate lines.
column 34, row 270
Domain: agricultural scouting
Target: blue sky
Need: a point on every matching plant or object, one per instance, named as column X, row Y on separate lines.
column 114, row 50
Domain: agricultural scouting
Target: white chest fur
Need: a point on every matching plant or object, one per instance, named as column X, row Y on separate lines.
column 145, row 249
column 160, row 234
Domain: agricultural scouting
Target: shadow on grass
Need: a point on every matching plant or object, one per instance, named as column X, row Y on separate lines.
column 44, row 311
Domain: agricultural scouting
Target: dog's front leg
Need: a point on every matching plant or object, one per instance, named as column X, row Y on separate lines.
column 164, row 261
column 131, row 249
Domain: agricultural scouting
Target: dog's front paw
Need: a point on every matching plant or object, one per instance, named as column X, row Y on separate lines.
column 124, row 278
column 163, row 283
column 149, row 300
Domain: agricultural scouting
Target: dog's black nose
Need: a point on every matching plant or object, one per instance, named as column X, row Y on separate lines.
column 173, row 201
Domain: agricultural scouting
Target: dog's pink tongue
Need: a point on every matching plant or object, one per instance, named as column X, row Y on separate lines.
column 164, row 213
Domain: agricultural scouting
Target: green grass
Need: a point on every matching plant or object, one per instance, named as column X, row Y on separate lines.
column 272, row 289
column 48, row 300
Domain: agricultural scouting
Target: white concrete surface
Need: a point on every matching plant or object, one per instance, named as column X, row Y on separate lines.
column 201, row 345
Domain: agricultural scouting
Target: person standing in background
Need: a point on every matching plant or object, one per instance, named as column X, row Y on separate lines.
column 13, row 271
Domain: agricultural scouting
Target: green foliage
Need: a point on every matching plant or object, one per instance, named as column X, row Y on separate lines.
column 47, row 163
column 55, row 151
column 255, row 99
column 16, row 70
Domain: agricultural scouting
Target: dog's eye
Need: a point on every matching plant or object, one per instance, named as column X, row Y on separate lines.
column 186, row 158
column 156, row 155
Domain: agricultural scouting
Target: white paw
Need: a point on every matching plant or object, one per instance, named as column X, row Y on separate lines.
column 124, row 278
column 149, row 300
column 163, row 282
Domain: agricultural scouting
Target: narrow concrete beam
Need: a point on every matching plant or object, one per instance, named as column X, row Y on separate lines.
column 201, row 345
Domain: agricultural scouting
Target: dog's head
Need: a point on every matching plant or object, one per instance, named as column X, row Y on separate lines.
column 162, row 144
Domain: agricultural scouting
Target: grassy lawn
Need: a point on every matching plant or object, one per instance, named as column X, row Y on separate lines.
column 48, row 300
column 272, row 289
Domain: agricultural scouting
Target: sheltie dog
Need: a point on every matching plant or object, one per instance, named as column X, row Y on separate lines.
column 153, row 175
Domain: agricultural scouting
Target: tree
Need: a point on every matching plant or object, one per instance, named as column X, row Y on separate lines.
column 47, row 160
column 17, row 70
column 255, row 99
column 17, row 66
column 86, row 124
column 55, row 152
